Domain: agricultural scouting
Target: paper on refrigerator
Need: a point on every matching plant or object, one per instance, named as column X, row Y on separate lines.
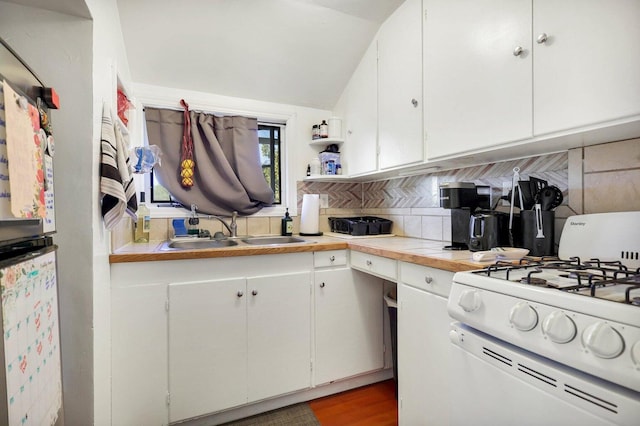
column 22, row 191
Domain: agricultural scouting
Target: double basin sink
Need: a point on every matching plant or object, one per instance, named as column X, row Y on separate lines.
column 209, row 243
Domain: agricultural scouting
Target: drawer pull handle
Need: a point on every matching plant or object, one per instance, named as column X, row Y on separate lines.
column 332, row 259
column 428, row 279
column 254, row 292
column 240, row 294
column 518, row 51
column 322, row 285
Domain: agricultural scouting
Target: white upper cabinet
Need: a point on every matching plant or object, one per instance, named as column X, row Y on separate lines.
column 588, row 69
column 383, row 99
column 361, row 115
column 506, row 73
column 400, row 87
column 477, row 74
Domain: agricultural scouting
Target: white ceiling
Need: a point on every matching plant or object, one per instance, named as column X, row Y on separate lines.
column 299, row 52
column 68, row 7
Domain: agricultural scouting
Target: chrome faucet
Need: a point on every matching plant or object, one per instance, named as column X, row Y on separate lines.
column 232, row 227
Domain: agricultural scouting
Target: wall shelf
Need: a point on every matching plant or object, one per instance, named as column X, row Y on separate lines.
column 326, row 178
column 326, row 141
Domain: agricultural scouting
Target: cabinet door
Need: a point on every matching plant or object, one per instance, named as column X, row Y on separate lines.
column 588, row 70
column 361, row 116
column 477, row 93
column 423, row 358
column 279, row 334
column 348, row 324
column 139, row 355
column 207, row 347
column 400, row 87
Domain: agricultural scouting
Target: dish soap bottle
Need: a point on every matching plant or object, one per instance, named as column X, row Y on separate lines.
column 287, row 224
column 143, row 224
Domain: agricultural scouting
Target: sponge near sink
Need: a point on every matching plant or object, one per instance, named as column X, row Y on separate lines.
column 178, row 227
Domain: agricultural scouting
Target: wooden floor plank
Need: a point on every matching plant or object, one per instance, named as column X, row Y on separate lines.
column 372, row 405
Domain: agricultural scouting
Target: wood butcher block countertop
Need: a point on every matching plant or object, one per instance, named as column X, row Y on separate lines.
column 413, row 250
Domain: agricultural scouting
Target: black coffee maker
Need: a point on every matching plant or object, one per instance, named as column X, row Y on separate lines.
column 463, row 199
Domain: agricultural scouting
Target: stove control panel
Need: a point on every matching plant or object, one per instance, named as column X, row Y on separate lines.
column 606, row 349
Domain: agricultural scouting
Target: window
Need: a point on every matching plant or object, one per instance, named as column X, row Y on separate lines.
column 269, row 138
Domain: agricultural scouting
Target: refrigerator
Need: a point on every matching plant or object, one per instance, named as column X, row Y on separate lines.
column 30, row 364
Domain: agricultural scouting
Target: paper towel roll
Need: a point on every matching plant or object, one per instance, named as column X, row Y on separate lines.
column 310, row 215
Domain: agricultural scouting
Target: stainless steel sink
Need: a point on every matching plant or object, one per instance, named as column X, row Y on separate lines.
column 272, row 240
column 194, row 244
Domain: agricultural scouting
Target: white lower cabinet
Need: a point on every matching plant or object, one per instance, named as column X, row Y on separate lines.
column 237, row 341
column 348, row 324
column 423, row 346
column 279, row 334
column 139, row 355
column 195, row 337
column 207, row 347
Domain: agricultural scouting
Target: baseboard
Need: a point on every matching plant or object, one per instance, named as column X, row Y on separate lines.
column 289, row 399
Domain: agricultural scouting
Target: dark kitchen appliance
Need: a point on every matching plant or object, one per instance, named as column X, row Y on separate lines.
column 537, row 232
column 362, row 225
column 488, row 229
column 462, row 198
column 30, row 370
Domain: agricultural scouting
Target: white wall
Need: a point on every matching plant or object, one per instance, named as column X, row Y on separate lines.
column 58, row 48
column 109, row 58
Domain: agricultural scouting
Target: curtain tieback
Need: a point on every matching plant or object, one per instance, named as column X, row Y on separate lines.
column 187, row 165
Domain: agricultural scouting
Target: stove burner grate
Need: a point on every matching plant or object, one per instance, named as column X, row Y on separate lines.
column 595, row 278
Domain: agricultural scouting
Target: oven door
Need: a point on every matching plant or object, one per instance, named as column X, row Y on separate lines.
column 495, row 383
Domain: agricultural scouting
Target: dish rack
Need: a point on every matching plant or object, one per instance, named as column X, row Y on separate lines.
column 361, row 225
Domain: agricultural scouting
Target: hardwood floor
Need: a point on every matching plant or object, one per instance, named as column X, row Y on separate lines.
column 373, row 405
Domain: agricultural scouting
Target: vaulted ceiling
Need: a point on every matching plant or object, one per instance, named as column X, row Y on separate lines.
column 299, row 52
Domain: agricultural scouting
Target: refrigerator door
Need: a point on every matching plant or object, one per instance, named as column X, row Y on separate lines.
column 30, row 374
column 26, row 193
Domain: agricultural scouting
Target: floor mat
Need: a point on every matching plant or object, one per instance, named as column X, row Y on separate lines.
column 298, row 415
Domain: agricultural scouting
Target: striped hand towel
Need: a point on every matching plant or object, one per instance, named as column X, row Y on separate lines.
column 116, row 182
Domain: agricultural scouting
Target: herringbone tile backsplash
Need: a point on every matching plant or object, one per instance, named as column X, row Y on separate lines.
column 594, row 179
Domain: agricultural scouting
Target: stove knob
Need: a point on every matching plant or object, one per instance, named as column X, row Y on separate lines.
column 603, row 340
column 469, row 300
column 635, row 353
column 455, row 337
column 559, row 327
column 523, row 317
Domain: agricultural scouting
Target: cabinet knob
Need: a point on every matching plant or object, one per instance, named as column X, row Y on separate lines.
column 332, row 259
column 369, row 263
column 518, row 51
column 254, row 292
column 414, row 102
column 322, row 285
column 239, row 294
column 542, row 38
column 428, row 279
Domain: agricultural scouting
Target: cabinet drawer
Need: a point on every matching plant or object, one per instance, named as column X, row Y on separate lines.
column 324, row 259
column 430, row 279
column 376, row 265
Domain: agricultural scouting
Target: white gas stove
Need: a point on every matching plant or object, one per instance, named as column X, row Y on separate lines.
column 581, row 310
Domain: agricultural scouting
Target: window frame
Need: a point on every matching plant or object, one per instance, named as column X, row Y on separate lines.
column 273, row 142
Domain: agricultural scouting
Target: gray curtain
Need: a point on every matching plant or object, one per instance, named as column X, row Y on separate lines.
column 228, row 175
